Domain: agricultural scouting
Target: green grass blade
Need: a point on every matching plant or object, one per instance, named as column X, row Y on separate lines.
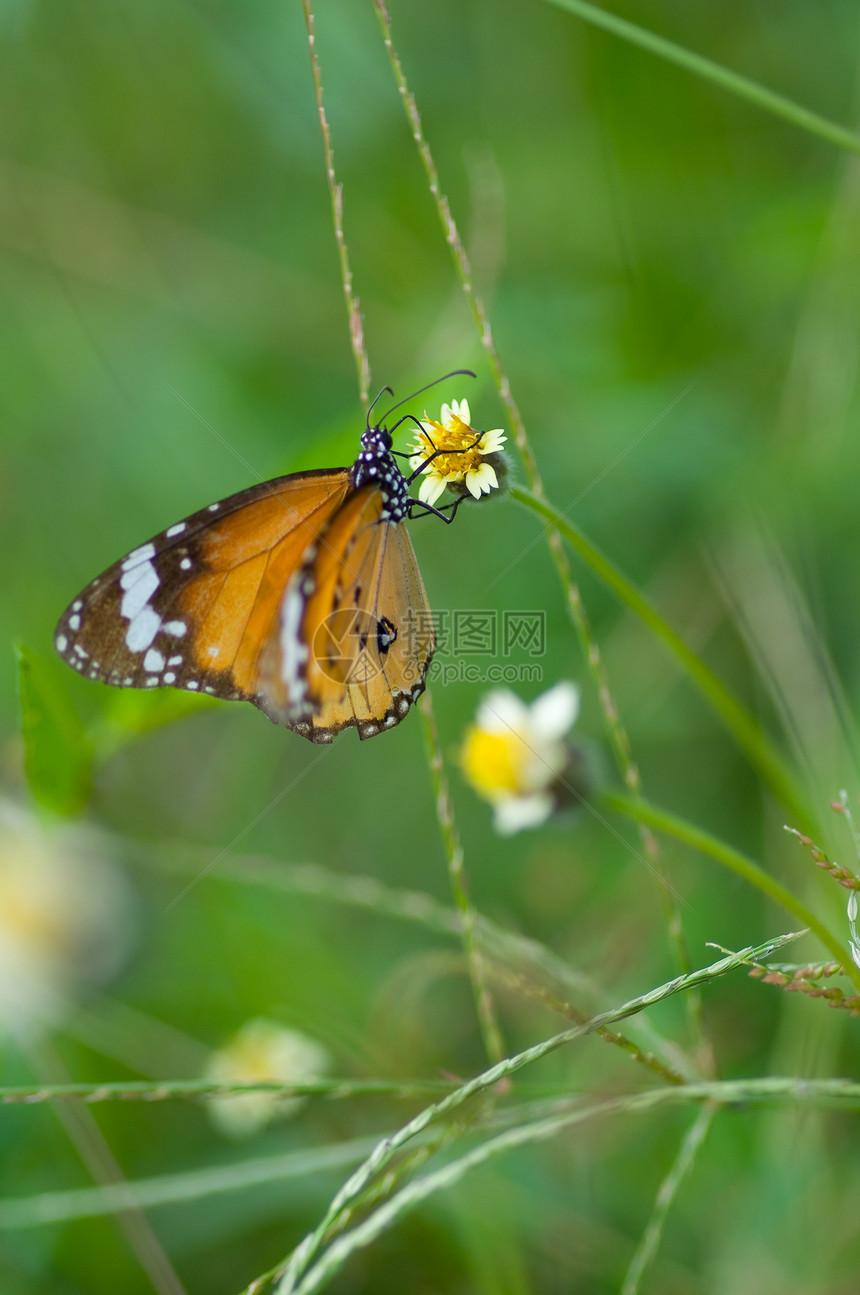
column 741, row 86
column 823, row 1092
column 736, row 717
column 736, row 862
column 57, row 752
column 301, row 1259
column 174, row 1189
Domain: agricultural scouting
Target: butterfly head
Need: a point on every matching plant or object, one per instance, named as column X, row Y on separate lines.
column 376, row 466
column 376, row 440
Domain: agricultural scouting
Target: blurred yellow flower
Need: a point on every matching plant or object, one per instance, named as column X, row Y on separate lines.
column 464, row 460
column 515, row 755
column 65, row 918
column 262, row 1052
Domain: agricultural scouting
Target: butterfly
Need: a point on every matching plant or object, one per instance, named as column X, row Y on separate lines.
column 301, row 595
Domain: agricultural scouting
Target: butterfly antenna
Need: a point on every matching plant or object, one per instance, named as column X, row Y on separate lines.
column 375, row 399
column 453, row 374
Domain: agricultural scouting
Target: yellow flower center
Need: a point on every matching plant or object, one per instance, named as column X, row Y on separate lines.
column 494, row 763
column 462, row 453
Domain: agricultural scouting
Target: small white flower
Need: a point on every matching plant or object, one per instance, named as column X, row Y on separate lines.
column 463, row 457
column 65, row 918
column 514, row 755
column 263, row 1052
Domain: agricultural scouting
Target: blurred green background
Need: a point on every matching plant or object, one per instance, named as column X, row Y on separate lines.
column 672, row 277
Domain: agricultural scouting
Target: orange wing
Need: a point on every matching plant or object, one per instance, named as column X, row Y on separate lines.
column 194, row 606
column 355, row 637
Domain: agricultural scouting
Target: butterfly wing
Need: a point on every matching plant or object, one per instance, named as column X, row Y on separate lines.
column 355, row 637
column 194, row 606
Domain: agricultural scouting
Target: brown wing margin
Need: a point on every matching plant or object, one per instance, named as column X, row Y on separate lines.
column 152, row 618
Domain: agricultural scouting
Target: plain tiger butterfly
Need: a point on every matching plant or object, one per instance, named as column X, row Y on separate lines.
column 301, row 595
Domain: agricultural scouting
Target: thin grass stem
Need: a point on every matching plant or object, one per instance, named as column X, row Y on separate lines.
column 484, row 1004
column 591, row 651
column 353, row 308
column 646, row 1250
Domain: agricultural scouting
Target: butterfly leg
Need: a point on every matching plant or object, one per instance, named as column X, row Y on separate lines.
column 438, row 512
column 436, row 453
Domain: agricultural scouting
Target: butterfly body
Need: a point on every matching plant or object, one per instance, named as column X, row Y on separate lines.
column 301, row 595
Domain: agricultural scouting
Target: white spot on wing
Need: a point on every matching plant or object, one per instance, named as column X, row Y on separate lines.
column 153, row 660
column 139, row 585
column 145, row 552
column 74, row 622
column 142, row 629
column 175, row 530
column 61, row 642
column 169, row 677
column 294, row 652
column 176, row 628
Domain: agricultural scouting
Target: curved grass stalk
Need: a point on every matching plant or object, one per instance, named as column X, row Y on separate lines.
column 814, row 1092
column 740, row 86
column 302, row 1257
column 736, row 717
column 681, row 830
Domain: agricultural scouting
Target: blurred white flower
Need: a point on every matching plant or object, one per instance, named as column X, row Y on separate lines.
column 65, row 918
column 515, row 755
column 262, row 1052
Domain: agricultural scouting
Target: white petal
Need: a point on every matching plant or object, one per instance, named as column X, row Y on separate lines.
column 417, row 461
column 501, row 711
column 554, row 713
column 431, row 488
column 445, row 417
column 481, row 480
column 518, row 812
column 473, row 483
column 487, row 476
column 461, row 409
column 492, row 442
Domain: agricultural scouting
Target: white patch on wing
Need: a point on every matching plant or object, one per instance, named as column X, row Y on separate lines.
column 153, row 661
column 175, row 530
column 142, row 629
column 138, row 585
column 145, row 552
column 294, row 652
